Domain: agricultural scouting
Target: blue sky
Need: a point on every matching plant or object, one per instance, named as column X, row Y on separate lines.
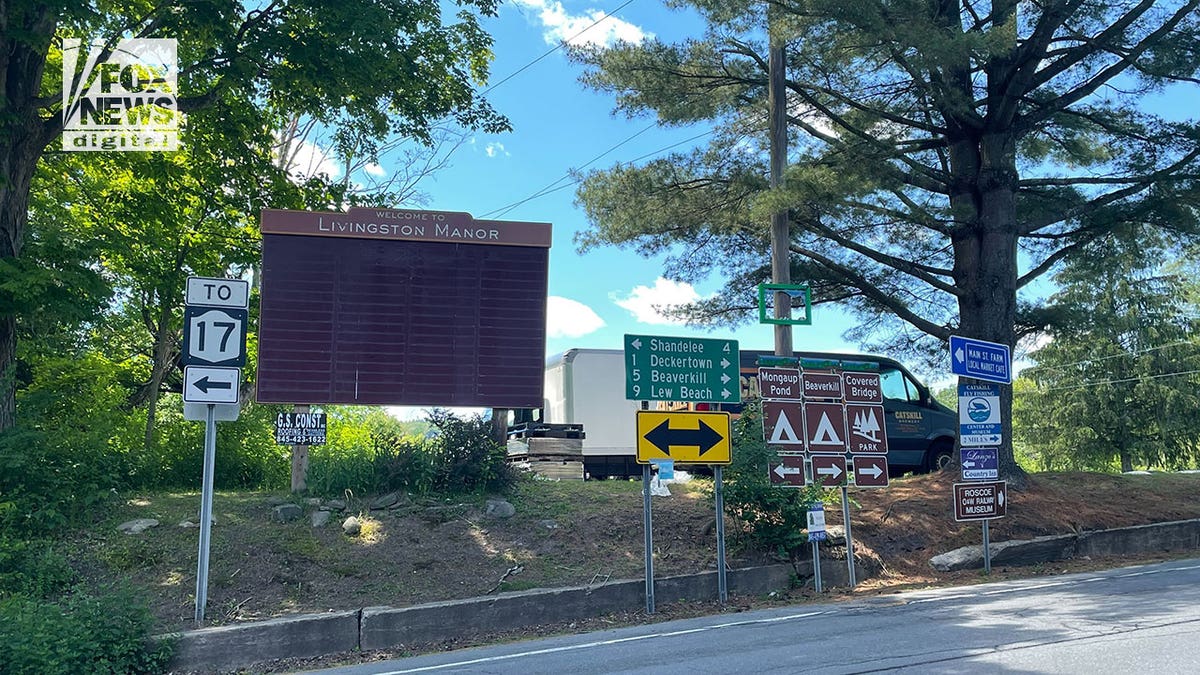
column 558, row 125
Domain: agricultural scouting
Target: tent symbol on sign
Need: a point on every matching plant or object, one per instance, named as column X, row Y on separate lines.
column 866, row 425
column 825, row 433
column 784, row 433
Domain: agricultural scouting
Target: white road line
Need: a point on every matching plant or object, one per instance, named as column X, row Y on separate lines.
column 603, row 643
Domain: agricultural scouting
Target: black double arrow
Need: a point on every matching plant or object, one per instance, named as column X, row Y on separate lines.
column 663, row 437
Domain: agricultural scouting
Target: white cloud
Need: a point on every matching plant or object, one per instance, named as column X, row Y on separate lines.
column 495, row 148
column 577, row 29
column 646, row 304
column 374, row 169
column 311, row 160
column 570, row 318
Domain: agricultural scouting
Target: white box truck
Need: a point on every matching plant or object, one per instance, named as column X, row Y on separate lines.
column 587, row 387
column 585, row 390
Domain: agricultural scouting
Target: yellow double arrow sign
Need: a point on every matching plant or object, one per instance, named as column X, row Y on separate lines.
column 685, row 436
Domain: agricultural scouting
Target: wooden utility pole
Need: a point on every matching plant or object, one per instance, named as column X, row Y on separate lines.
column 781, row 271
column 299, row 460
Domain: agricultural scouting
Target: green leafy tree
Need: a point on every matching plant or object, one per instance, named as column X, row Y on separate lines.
column 368, row 68
column 1117, row 383
column 945, row 155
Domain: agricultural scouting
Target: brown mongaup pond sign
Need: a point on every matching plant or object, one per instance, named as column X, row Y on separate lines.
column 402, row 307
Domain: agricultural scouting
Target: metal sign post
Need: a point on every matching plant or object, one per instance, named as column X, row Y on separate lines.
column 214, row 348
column 987, row 550
column 722, row 588
column 206, row 504
column 849, row 538
column 646, row 524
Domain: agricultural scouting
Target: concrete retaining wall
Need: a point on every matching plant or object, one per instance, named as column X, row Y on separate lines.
column 228, row 647
column 1173, row 536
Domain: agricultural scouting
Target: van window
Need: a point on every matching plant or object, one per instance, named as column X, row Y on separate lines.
column 897, row 386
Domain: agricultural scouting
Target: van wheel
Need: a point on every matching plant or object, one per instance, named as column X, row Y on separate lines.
column 940, row 455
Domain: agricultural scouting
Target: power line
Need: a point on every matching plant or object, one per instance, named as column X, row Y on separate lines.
column 547, row 190
column 1114, row 356
column 556, row 47
column 1097, row 383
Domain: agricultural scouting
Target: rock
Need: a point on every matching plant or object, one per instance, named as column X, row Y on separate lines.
column 351, row 526
column 313, row 501
column 276, row 500
column 548, row 524
column 385, row 501
column 286, row 513
column 321, row 518
column 443, row 514
column 137, row 526
column 187, row 525
column 336, row 505
column 498, row 508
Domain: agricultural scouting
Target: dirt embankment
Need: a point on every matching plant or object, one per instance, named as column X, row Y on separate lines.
column 563, row 534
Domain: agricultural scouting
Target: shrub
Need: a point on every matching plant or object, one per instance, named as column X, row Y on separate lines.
column 773, row 518
column 371, row 453
column 32, row 568
column 81, row 634
column 466, row 457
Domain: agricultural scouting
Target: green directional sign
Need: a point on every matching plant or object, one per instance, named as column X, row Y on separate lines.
column 697, row 370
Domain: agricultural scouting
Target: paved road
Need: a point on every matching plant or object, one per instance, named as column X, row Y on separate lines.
column 1133, row 620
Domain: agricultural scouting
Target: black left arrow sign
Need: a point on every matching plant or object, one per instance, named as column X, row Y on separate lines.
column 663, row 437
column 204, row 384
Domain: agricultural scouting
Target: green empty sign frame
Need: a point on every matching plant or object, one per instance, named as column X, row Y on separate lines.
column 794, row 292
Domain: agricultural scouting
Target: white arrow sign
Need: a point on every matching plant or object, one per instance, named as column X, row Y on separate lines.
column 211, row 385
column 785, row 471
column 1000, row 498
column 831, row 471
column 872, row 471
column 724, row 363
column 959, row 355
column 637, row 344
column 725, row 378
column 725, row 393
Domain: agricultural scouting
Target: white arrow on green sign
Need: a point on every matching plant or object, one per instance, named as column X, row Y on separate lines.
column 697, row 370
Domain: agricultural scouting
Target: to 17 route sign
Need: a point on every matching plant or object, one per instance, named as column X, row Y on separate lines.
column 689, row 437
column 214, row 322
column 980, row 360
column 692, row 370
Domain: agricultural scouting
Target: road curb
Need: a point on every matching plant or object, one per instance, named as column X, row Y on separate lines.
column 1175, row 535
column 307, row 635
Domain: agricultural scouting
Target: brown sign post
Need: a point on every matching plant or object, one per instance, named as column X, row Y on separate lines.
column 779, row 383
column 862, row 387
column 980, row 501
column 867, row 431
column 822, row 386
column 870, row 471
column 787, row 471
column 829, row 470
column 825, row 428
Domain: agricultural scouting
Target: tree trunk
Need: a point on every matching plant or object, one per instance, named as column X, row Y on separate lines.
column 24, row 46
column 162, row 362
column 985, row 257
column 18, row 160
